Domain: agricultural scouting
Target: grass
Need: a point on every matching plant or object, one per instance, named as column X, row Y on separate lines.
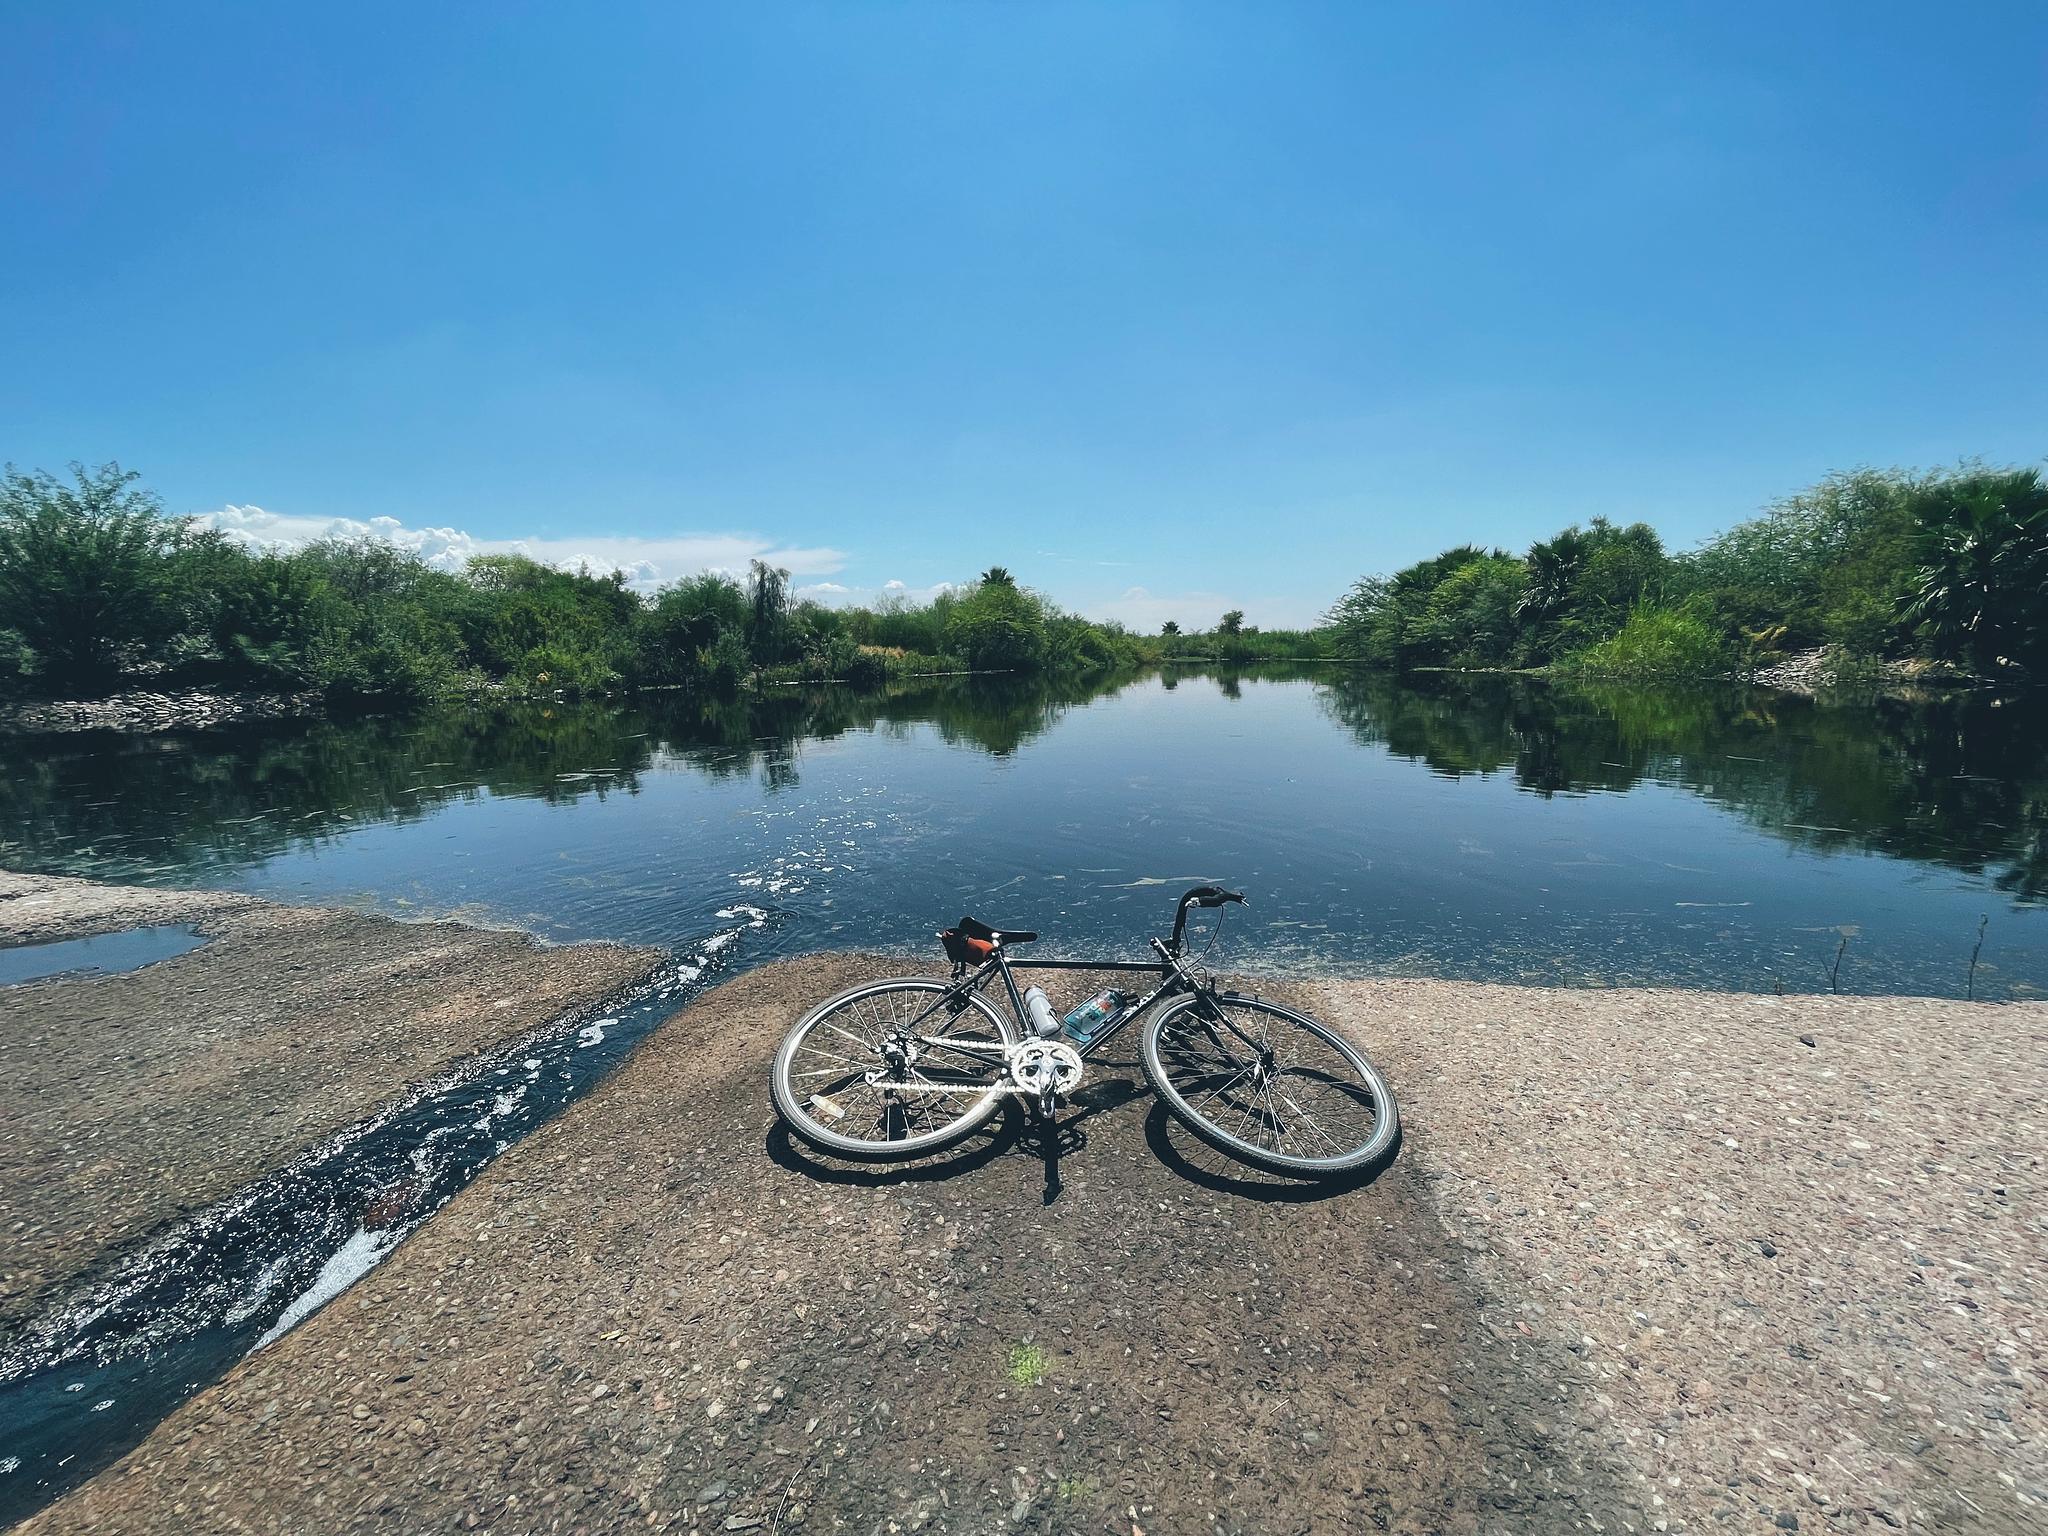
column 1027, row 1365
column 1655, row 642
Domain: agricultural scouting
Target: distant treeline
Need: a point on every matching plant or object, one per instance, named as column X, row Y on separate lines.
column 1949, row 566
column 100, row 591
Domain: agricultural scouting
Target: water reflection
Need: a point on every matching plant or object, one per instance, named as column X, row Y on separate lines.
column 118, row 807
column 1960, row 780
column 1482, row 827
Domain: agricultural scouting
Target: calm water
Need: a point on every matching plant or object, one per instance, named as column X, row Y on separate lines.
column 1485, row 828
column 99, row 954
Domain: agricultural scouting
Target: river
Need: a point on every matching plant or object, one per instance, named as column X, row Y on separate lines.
column 1482, row 828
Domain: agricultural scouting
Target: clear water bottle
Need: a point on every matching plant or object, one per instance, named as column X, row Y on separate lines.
column 1094, row 1016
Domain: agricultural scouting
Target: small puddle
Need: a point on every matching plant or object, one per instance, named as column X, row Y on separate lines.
column 103, row 954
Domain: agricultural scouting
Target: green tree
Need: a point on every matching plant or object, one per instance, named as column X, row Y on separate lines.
column 1469, row 620
column 1231, row 623
column 685, row 621
column 768, row 616
column 1170, row 630
column 89, row 579
column 1817, row 565
column 997, row 627
column 394, row 624
column 1983, row 585
column 267, row 620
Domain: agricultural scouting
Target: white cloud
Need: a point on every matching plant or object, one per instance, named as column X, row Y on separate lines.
column 647, row 562
column 833, row 595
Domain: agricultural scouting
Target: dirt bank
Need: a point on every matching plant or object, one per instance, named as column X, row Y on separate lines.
column 655, row 1314
column 127, row 1101
column 1794, row 1247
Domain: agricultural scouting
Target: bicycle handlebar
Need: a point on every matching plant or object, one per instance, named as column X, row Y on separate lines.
column 1199, row 896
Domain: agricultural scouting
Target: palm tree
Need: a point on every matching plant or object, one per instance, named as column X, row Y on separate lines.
column 1554, row 567
column 998, row 576
column 1169, row 629
column 1985, row 545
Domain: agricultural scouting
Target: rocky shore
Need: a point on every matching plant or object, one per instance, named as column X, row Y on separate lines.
column 127, row 1101
column 1647, row 1261
column 1818, row 670
column 190, row 709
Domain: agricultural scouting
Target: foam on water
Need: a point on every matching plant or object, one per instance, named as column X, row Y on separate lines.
column 355, row 1258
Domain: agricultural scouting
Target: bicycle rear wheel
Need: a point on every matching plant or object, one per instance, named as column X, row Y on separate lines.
column 1269, row 1086
column 892, row 1070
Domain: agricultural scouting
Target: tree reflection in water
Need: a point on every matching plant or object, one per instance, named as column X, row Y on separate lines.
column 1959, row 780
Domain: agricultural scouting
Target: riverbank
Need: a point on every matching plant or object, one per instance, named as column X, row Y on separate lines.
column 131, row 1100
column 1648, row 1260
column 142, row 711
column 1807, row 673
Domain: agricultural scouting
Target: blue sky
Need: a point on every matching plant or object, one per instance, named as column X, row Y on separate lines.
column 1166, row 307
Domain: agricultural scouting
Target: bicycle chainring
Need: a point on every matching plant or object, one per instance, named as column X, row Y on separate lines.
column 1041, row 1066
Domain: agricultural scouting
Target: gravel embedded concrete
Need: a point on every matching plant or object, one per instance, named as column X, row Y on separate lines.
column 39, row 909
column 1570, row 1304
column 127, row 1101
column 1793, row 1246
column 656, row 1314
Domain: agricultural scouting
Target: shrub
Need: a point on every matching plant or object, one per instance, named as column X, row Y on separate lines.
column 17, row 663
column 998, row 627
column 724, row 662
column 88, row 574
column 1657, row 642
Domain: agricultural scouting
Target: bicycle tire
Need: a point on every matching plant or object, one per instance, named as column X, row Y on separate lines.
column 794, row 1099
column 1342, row 1160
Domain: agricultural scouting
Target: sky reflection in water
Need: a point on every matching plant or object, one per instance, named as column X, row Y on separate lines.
column 1484, row 828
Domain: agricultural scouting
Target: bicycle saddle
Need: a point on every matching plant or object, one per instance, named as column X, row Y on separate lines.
column 975, row 929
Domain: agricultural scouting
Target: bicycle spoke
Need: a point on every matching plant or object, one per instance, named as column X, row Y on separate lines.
column 862, row 1072
column 1267, row 1081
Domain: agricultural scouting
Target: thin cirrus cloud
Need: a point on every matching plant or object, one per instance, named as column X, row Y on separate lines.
column 646, row 562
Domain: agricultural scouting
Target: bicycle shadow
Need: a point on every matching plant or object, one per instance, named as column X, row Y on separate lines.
column 1067, row 1136
column 978, row 1151
column 1015, row 1129
column 1215, row 1171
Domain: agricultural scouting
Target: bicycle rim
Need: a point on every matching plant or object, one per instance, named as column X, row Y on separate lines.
column 879, row 1073
column 1270, row 1086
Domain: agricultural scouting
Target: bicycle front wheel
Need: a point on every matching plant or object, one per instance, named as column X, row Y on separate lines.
column 1269, row 1086
column 892, row 1069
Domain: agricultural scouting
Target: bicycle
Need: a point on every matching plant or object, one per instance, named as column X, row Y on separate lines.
column 900, row 1068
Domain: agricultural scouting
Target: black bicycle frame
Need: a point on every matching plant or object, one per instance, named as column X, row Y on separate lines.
column 1000, row 964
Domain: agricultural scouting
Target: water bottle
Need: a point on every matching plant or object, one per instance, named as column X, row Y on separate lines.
column 1038, row 1008
column 1093, row 1016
